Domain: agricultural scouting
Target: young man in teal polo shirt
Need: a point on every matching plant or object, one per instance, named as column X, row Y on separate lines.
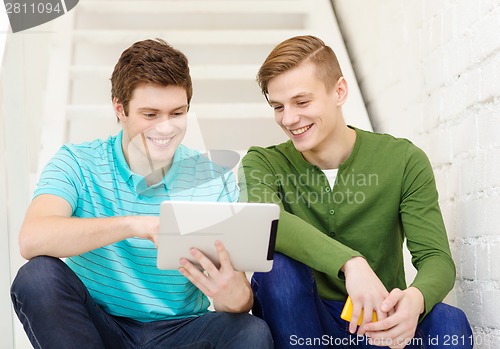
column 97, row 204
column 349, row 198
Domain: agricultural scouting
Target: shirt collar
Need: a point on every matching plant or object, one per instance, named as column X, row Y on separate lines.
column 299, row 159
column 121, row 163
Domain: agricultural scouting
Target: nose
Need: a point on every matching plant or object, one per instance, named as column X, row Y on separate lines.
column 163, row 126
column 290, row 118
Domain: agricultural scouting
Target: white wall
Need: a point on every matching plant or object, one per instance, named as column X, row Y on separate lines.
column 6, row 323
column 21, row 102
column 429, row 71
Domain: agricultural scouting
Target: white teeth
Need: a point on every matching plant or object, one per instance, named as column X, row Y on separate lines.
column 160, row 141
column 301, row 130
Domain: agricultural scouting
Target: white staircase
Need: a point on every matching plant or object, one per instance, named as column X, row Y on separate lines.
column 225, row 42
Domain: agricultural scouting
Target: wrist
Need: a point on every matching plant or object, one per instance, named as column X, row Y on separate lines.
column 128, row 229
column 418, row 298
column 241, row 301
column 242, row 307
column 353, row 264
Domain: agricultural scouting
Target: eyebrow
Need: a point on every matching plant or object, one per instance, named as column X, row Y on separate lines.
column 297, row 96
column 157, row 110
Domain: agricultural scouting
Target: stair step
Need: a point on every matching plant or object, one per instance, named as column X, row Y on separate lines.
column 190, row 6
column 97, row 91
column 202, row 110
column 198, row 72
column 162, row 15
column 192, row 37
column 233, row 110
column 198, row 54
column 211, row 47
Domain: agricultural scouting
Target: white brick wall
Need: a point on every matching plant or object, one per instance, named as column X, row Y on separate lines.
column 429, row 71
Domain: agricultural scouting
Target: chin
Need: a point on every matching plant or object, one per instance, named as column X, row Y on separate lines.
column 162, row 157
column 301, row 146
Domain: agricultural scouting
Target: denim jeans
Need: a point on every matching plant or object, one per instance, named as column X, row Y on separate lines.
column 57, row 311
column 287, row 299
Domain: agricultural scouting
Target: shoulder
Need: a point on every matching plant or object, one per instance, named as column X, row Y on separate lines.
column 388, row 146
column 279, row 152
column 382, row 139
column 89, row 152
column 393, row 156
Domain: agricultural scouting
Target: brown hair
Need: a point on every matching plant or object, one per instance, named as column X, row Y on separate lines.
column 294, row 51
column 149, row 62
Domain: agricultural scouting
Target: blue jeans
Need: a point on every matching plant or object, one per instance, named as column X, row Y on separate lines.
column 57, row 311
column 287, row 299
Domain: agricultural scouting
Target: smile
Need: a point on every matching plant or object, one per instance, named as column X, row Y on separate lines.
column 160, row 141
column 299, row 131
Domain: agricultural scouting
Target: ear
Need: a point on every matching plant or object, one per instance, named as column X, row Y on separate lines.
column 119, row 110
column 342, row 91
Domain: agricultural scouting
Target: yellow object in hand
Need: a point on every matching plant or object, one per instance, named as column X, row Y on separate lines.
column 347, row 312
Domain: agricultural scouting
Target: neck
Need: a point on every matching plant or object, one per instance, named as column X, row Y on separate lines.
column 336, row 150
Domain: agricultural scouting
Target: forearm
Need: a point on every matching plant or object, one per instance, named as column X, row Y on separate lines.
column 69, row 236
column 303, row 242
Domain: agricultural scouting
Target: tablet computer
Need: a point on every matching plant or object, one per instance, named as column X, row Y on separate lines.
column 247, row 230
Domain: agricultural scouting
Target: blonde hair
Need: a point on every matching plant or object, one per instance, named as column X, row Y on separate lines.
column 295, row 51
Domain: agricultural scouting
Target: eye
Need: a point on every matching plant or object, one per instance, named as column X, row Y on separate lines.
column 277, row 107
column 177, row 113
column 302, row 103
column 149, row 115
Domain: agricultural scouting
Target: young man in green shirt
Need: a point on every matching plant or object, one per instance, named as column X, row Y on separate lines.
column 349, row 198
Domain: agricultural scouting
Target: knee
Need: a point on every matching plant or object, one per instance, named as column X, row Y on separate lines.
column 289, row 281
column 258, row 334
column 36, row 279
column 456, row 321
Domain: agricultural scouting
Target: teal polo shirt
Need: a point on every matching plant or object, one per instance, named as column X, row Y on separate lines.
column 122, row 278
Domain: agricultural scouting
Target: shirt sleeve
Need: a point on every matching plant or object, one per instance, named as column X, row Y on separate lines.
column 425, row 231
column 296, row 238
column 61, row 177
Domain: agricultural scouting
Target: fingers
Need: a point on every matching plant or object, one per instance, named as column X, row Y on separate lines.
column 204, row 262
column 390, row 302
column 195, row 275
column 397, row 329
column 367, row 316
column 384, row 314
column 224, row 260
column 356, row 315
column 392, row 338
column 206, row 280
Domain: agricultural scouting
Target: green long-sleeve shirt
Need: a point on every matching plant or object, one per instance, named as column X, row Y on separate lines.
column 385, row 191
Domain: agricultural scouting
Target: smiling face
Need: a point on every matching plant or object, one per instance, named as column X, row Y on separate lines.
column 305, row 109
column 154, row 127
